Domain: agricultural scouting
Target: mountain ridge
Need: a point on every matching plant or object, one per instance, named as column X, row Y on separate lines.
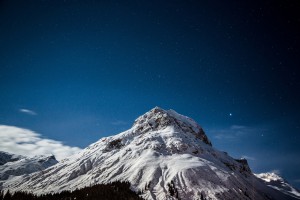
column 164, row 155
column 18, row 165
column 276, row 182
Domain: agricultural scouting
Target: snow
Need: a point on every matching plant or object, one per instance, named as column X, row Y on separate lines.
column 16, row 165
column 8, row 157
column 273, row 180
column 269, row 176
column 161, row 148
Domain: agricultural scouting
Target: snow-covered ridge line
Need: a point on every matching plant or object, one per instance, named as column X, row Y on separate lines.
column 157, row 118
column 275, row 181
column 13, row 165
column 164, row 155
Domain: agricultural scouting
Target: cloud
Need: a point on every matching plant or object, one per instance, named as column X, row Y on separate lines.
column 119, row 123
column 27, row 111
column 234, row 132
column 29, row 143
column 248, row 157
column 275, row 171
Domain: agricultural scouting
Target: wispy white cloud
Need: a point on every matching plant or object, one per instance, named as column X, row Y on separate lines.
column 248, row 157
column 27, row 111
column 275, row 171
column 29, row 143
column 234, row 132
column 119, row 123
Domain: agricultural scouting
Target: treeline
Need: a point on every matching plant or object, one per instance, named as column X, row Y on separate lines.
column 116, row 190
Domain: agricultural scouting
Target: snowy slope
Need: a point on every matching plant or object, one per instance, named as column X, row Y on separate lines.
column 8, row 157
column 164, row 155
column 275, row 181
column 16, row 165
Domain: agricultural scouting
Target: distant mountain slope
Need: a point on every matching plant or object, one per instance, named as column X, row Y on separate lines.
column 15, row 165
column 8, row 157
column 164, row 155
column 275, row 181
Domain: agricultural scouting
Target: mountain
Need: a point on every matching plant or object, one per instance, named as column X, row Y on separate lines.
column 8, row 157
column 12, row 165
column 273, row 180
column 164, row 155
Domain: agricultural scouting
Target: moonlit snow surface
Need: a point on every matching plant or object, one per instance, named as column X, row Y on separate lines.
column 162, row 148
column 275, row 181
column 12, row 165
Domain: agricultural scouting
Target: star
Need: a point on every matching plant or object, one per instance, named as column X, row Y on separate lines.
column 230, row 114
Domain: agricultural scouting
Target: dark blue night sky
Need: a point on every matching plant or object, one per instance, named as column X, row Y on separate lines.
column 87, row 69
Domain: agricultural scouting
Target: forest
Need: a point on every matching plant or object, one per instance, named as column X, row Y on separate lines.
column 112, row 191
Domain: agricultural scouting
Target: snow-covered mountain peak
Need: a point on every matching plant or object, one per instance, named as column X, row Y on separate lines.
column 159, row 119
column 164, row 155
column 276, row 182
column 269, row 176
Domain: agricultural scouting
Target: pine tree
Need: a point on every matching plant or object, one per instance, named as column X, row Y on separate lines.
column 7, row 196
column 116, row 190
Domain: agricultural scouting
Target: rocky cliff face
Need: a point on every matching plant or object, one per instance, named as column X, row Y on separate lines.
column 8, row 157
column 158, row 119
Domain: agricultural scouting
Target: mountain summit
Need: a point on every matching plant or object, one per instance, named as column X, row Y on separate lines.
column 158, row 119
column 164, row 155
